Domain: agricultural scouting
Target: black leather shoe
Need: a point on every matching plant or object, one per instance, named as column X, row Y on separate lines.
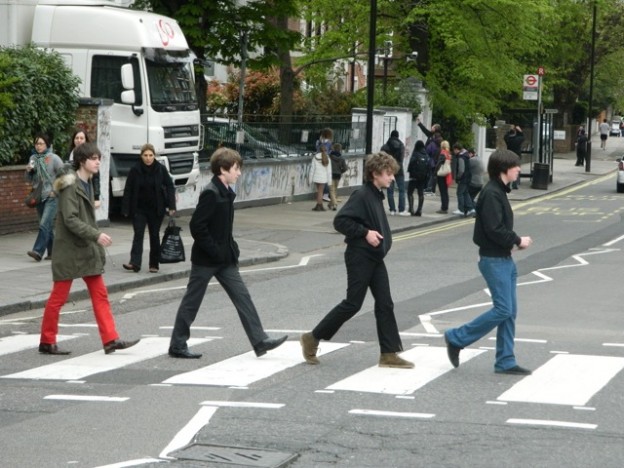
column 131, row 267
column 267, row 345
column 114, row 345
column 516, row 370
column 452, row 352
column 183, row 354
column 52, row 349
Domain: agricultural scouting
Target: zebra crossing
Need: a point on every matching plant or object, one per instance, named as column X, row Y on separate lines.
column 563, row 379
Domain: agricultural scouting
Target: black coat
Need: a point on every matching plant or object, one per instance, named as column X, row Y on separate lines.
column 211, row 227
column 395, row 148
column 163, row 190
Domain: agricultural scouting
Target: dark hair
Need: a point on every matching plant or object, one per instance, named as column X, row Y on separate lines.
column 44, row 137
column 84, row 152
column 394, row 134
column 73, row 137
column 420, row 145
column 379, row 162
column 337, row 147
column 224, row 158
column 327, row 133
column 458, row 146
column 500, row 162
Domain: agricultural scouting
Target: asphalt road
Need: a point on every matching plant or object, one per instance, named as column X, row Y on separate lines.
column 346, row 411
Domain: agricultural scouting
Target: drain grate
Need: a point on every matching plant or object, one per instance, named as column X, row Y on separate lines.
column 242, row 456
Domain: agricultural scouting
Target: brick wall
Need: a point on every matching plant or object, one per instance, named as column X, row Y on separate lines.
column 14, row 215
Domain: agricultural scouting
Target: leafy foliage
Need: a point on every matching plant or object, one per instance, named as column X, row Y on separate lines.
column 43, row 96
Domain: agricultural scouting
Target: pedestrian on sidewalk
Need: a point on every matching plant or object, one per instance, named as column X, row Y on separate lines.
column 79, row 137
column 79, row 253
column 433, row 150
column 604, row 133
column 444, row 181
column 395, row 148
column 320, row 175
column 149, row 193
column 215, row 253
column 581, row 147
column 339, row 167
column 364, row 223
column 462, row 177
column 514, row 139
column 418, row 170
column 43, row 167
column 494, row 234
column 325, row 139
column 476, row 175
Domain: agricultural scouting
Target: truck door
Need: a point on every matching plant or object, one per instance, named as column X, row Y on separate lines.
column 129, row 123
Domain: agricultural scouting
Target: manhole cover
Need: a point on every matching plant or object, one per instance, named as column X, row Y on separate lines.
column 242, row 456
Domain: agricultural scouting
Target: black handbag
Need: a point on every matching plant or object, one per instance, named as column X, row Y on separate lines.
column 172, row 247
column 34, row 197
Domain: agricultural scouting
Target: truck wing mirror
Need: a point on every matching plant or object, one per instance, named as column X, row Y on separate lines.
column 127, row 76
column 127, row 97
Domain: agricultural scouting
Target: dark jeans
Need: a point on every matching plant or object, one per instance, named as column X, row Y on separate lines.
column 444, row 195
column 153, row 222
column 464, row 203
column 473, row 191
column 229, row 277
column 364, row 273
column 419, row 186
column 400, row 183
column 431, row 182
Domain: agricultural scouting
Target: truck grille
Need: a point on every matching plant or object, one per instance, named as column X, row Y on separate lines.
column 180, row 163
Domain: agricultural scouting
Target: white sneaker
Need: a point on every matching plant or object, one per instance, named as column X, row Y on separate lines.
column 391, row 213
column 457, row 212
column 471, row 212
column 404, row 213
column 326, row 198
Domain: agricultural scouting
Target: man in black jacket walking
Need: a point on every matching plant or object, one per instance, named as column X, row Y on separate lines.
column 368, row 237
column 395, row 148
column 494, row 234
column 215, row 253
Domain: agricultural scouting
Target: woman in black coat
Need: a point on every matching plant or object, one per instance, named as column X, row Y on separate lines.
column 148, row 193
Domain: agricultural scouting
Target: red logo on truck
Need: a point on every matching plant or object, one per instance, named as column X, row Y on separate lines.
column 165, row 31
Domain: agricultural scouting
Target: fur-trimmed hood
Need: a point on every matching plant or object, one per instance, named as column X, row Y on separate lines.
column 66, row 177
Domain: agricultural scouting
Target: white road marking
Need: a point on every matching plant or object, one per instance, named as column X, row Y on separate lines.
column 393, row 414
column 86, row 398
column 544, row 422
column 430, row 363
column 245, row 369
column 98, row 362
column 137, row 462
column 14, row 344
column 566, row 379
column 186, row 435
column 241, row 404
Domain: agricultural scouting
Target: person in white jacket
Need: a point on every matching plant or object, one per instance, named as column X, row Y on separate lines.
column 320, row 174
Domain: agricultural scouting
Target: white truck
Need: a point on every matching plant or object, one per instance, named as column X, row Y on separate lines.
column 139, row 60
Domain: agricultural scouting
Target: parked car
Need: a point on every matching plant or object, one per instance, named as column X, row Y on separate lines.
column 620, row 176
column 615, row 127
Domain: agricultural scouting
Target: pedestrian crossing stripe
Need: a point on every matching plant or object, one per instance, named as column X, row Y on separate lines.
column 17, row 343
column 430, row 362
column 566, row 379
column 245, row 369
column 97, row 362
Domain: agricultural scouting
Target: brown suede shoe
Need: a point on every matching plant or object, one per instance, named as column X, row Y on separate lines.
column 393, row 360
column 309, row 347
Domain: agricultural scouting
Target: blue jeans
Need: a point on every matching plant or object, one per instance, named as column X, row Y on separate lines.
column 400, row 181
column 464, row 202
column 46, row 212
column 500, row 274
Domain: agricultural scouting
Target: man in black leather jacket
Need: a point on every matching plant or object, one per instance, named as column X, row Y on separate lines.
column 215, row 253
column 368, row 237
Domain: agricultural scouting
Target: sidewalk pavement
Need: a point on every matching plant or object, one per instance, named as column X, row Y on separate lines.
column 26, row 284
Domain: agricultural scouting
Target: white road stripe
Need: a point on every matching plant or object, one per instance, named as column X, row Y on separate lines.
column 86, row 398
column 393, row 414
column 430, row 363
column 545, row 422
column 246, row 368
column 16, row 343
column 137, row 462
column 241, row 404
column 566, row 379
column 187, row 433
column 97, row 362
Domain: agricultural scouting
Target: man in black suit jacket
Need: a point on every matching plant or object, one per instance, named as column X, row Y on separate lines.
column 215, row 253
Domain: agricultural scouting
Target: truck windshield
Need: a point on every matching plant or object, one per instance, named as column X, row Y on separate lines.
column 170, row 77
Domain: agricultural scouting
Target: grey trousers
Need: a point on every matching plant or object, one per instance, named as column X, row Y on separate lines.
column 229, row 277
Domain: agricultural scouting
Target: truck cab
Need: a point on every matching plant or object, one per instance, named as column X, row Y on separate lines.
column 139, row 60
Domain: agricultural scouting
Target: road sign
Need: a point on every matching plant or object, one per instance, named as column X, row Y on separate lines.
column 530, row 85
column 530, row 81
column 541, row 71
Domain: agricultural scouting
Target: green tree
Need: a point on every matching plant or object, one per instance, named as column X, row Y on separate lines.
column 42, row 95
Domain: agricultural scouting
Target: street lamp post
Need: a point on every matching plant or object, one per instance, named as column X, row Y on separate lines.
column 591, row 91
column 370, row 77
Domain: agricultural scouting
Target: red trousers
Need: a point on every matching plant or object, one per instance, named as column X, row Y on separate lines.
column 99, row 300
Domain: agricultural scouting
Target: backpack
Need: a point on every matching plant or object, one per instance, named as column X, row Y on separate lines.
column 418, row 166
